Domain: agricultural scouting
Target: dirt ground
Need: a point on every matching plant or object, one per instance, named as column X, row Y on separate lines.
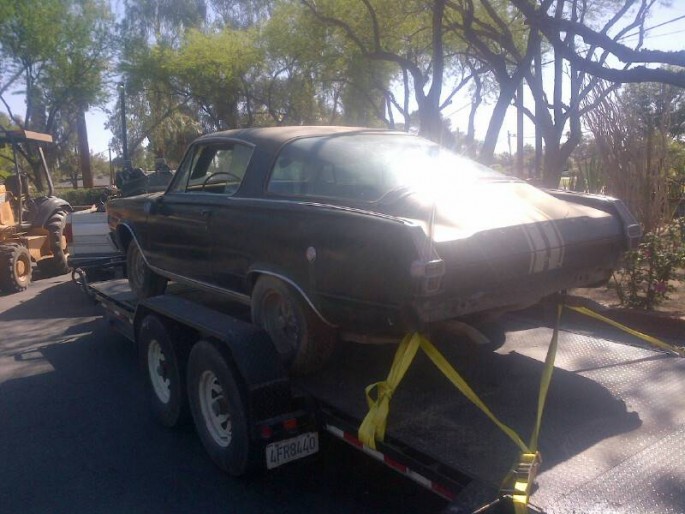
column 672, row 307
column 666, row 321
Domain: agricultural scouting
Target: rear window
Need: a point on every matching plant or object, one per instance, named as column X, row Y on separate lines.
column 366, row 167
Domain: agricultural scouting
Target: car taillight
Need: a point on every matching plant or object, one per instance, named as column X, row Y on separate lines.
column 430, row 273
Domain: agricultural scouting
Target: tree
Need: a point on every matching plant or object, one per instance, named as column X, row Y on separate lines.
column 409, row 35
column 56, row 52
column 631, row 129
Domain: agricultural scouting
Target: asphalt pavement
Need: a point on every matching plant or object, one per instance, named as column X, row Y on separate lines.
column 76, row 435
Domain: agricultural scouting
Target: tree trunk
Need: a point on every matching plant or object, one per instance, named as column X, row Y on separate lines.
column 430, row 124
column 84, row 149
column 553, row 164
column 487, row 152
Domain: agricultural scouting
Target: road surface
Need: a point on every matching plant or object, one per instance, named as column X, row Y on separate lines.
column 76, row 436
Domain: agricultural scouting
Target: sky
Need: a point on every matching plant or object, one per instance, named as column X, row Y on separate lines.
column 667, row 37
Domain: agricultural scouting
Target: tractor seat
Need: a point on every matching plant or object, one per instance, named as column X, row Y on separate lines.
column 12, row 185
column 12, row 188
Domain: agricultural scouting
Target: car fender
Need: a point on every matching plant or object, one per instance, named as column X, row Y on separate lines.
column 124, row 235
column 257, row 270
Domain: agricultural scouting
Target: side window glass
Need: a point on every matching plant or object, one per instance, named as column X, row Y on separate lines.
column 180, row 179
column 218, row 168
column 290, row 176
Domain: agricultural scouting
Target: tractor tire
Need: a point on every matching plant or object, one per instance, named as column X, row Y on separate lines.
column 303, row 341
column 144, row 282
column 15, row 268
column 57, row 264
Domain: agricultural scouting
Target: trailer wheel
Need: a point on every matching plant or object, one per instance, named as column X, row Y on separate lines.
column 15, row 268
column 57, row 264
column 161, row 362
column 143, row 281
column 218, row 409
column 304, row 342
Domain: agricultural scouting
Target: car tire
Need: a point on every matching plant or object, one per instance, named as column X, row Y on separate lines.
column 162, row 362
column 218, row 409
column 143, row 281
column 302, row 339
column 57, row 264
column 15, row 268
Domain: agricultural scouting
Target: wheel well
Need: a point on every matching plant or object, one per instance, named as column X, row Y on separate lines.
column 253, row 276
column 124, row 236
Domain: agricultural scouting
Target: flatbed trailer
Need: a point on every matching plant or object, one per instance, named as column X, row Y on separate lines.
column 612, row 437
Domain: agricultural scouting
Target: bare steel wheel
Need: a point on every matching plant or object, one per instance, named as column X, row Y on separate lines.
column 219, row 409
column 214, row 408
column 158, row 369
column 301, row 338
column 162, row 357
column 282, row 322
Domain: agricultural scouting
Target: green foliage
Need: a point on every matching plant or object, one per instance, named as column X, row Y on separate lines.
column 644, row 280
column 81, row 197
column 55, row 53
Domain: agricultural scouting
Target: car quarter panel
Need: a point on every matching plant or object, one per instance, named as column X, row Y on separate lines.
column 351, row 265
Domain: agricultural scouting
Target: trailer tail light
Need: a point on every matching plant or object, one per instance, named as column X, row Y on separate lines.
column 430, row 273
column 266, row 432
column 290, row 424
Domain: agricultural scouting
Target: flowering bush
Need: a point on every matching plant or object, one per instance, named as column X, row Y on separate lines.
column 643, row 281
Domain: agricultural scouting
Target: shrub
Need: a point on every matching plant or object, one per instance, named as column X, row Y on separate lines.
column 84, row 196
column 644, row 280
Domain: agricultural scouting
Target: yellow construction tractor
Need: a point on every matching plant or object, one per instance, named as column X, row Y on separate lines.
column 31, row 228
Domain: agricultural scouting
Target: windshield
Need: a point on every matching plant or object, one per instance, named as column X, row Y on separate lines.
column 370, row 166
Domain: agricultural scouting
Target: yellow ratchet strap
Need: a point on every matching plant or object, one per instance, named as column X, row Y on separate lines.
column 373, row 426
column 519, row 481
column 677, row 350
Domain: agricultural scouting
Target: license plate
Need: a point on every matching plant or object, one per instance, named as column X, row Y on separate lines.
column 281, row 452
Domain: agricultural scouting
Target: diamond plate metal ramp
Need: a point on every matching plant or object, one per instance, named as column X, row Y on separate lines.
column 612, row 432
column 638, row 470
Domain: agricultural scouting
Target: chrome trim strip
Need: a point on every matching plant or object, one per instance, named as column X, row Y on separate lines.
column 298, row 289
column 239, row 297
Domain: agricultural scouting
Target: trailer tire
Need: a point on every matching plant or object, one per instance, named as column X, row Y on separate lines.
column 219, row 409
column 163, row 365
column 302, row 339
column 15, row 268
column 57, row 264
column 143, row 281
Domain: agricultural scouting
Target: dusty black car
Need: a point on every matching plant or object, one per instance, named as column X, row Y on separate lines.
column 330, row 230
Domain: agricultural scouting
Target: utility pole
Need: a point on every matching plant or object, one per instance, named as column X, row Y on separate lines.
column 519, row 130
column 124, row 135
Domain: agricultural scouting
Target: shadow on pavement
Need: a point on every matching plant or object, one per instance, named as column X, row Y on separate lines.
column 80, row 439
column 62, row 300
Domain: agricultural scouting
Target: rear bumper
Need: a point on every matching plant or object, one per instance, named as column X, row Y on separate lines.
column 506, row 296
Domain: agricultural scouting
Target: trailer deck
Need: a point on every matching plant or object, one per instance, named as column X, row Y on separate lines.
column 613, row 434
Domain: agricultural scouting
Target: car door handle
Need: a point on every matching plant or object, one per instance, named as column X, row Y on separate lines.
column 205, row 213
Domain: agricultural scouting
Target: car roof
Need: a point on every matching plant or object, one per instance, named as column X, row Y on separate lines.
column 272, row 138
